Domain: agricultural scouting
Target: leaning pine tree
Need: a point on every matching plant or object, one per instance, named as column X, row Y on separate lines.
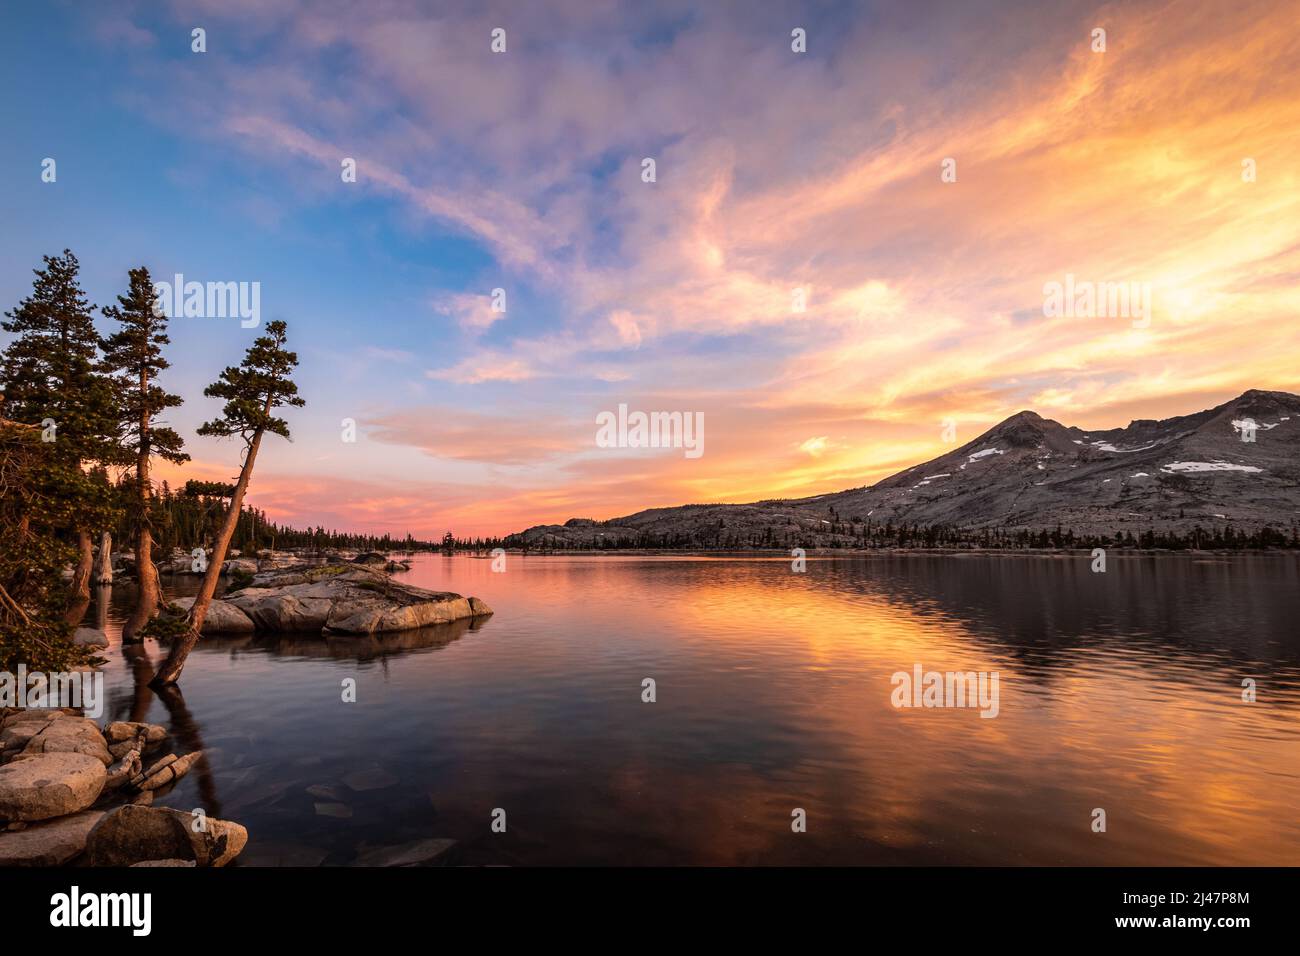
column 252, row 392
column 133, row 354
column 51, row 378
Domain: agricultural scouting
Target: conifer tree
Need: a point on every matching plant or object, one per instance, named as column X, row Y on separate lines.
column 253, row 391
column 33, row 630
column 51, row 378
column 133, row 355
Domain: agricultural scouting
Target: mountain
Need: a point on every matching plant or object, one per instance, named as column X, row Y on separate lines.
column 1028, row 472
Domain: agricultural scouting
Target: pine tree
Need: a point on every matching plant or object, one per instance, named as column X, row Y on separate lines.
column 33, row 630
column 133, row 355
column 51, row 378
column 252, row 392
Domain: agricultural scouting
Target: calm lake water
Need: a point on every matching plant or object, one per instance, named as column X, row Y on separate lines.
column 1120, row 690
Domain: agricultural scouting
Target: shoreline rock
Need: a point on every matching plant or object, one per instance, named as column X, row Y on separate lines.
column 67, row 733
column 134, row 834
column 222, row 618
column 333, row 599
column 63, row 800
column 52, row 843
column 49, row 785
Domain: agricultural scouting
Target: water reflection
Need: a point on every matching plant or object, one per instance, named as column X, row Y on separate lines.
column 185, row 733
column 1120, row 690
column 359, row 647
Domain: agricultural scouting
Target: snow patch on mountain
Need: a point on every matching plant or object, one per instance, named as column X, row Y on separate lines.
column 1200, row 466
column 1242, row 424
column 1107, row 446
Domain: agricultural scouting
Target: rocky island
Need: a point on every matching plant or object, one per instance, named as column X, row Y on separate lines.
column 357, row 598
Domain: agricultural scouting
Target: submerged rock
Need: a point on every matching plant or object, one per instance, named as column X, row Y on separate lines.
column 432, row 852
column 270, row 853
column 49, row 785
column 372, row 778
column 138, row 834
column 325, row 791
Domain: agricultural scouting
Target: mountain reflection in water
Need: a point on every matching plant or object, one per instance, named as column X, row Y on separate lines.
column 1120, row 690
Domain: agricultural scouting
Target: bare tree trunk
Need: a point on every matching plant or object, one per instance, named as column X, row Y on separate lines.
column 104, row 563
column 79, row 589
column 148, row 596
column 171, row 669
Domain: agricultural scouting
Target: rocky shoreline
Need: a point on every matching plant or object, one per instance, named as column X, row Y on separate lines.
column 73, row 794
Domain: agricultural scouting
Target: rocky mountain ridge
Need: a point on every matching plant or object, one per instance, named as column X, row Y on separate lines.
column 1235, row 464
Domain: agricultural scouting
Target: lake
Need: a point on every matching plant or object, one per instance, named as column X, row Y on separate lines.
column 1120, row 691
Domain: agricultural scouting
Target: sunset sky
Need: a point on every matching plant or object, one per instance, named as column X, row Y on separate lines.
column 776, row 171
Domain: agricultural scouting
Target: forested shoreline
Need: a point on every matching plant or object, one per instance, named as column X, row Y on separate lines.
column 82, row 422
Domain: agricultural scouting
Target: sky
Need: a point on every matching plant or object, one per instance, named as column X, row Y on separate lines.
column 841, row 261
